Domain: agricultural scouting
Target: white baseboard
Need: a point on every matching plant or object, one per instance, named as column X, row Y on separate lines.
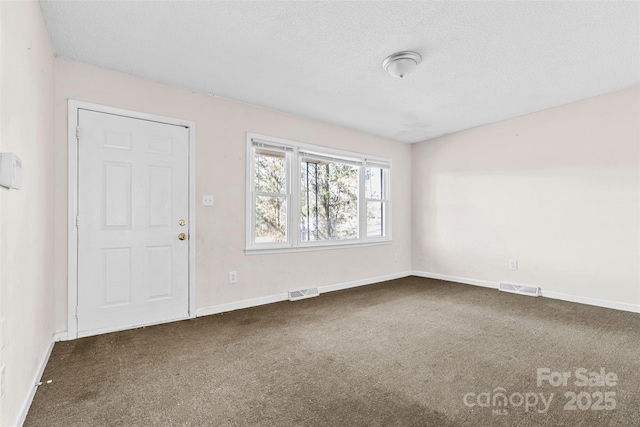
column 465, row 280
column 635, row 308
column 22, row 415
column 238, row 305
column 356, row 283
column 254, row 302
column 61, row 336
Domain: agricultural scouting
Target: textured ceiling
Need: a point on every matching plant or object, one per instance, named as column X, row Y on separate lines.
column 482, row 61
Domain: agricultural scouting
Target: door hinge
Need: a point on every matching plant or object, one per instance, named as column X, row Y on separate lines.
column 77, row 221
column 78, row 133
column 76, row 311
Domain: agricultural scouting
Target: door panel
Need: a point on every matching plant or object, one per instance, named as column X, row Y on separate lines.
column 158, row 272
column 159, row 196
column 116, row 195
column 132, row 194
column 116, row 277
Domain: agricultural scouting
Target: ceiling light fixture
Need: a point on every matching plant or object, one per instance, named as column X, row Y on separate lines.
column 401, row 63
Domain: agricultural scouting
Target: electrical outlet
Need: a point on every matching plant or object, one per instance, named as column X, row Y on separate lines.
column 233, row 277
column 513, row 264
column 207, row 200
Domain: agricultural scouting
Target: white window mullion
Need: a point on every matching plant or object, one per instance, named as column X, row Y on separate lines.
column 387, row 205
column 294, row 203
column 362, row 205
column 287, row 189
column 250, row 199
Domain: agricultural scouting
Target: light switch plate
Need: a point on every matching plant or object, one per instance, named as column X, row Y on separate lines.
column 10, row 171
column 207, row 200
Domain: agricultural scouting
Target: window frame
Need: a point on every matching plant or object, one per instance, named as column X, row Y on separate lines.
column 385, row 198
column 294, row 153
column 287, row 195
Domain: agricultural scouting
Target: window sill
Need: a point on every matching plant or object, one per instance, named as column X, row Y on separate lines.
column 322, row 247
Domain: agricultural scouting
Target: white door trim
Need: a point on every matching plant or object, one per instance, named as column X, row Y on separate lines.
column 72, row 231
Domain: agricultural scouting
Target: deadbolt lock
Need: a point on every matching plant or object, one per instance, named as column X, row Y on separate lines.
column 182, row 222
column 182, row 236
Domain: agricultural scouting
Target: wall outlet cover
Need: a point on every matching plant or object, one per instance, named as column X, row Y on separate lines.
column 233, row 277
column 207, row 200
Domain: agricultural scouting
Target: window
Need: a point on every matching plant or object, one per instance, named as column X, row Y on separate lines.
column 328, row 199
column 301, row 196
column 271, row 195
column 375, row 190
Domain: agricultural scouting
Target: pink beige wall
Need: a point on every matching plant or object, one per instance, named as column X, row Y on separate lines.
column 26, row 216
column 220, row 166
column 557, row 190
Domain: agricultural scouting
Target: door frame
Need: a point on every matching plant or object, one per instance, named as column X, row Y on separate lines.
column 72, row 232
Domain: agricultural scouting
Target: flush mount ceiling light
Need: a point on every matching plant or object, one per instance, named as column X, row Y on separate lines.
column 401, row 63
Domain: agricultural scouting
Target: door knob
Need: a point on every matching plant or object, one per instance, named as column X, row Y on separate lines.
column 182, row 236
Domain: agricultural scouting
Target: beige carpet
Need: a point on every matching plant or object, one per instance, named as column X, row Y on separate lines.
column 407, row 352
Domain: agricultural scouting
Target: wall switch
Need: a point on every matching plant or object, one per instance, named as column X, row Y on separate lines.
column 513, row 264
column 207, row 200
column 10, row 171
column 233, row 277
column 395, row 257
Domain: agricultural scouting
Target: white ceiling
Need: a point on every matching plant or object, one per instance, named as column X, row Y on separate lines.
column 482, row 61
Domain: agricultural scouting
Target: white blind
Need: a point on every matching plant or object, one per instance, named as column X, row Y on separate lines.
column 377, row 164
column 319, row 158
column 268, row 145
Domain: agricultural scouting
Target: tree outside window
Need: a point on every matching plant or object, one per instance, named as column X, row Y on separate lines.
column 338, row 197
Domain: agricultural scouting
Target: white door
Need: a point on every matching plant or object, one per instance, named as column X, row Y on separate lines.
column 133, row 205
